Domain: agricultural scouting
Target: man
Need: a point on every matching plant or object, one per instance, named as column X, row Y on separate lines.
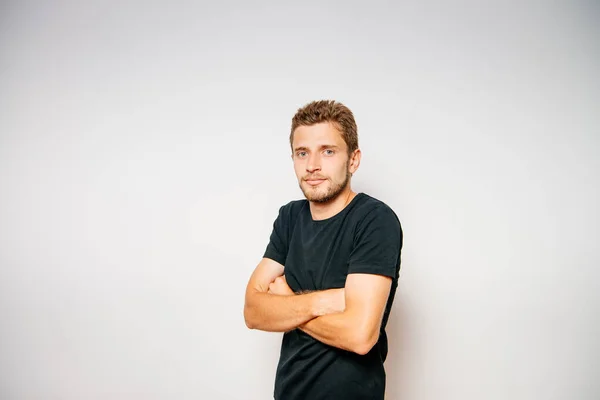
column 330, row 270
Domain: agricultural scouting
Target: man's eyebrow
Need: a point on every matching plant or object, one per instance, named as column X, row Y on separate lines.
column 324, row 146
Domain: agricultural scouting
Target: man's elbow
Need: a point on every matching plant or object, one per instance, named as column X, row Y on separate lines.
column 248, row 319
column 363, row 343
column 250, row 315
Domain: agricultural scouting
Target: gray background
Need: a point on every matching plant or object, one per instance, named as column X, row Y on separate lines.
column 144, row 155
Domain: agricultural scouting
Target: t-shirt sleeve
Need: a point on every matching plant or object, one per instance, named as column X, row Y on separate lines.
column 277, row 248
column 377, row 244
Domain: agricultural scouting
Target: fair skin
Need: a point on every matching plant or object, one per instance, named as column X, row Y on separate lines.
column 347, row 318
column 322, row 165
column 270, row 306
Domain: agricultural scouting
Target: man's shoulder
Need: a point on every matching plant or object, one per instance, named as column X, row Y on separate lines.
column 294, row 205
column 291, row 209
column 371, row 206
column 375, row 217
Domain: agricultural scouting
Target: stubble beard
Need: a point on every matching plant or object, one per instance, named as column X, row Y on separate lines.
column 333, row 191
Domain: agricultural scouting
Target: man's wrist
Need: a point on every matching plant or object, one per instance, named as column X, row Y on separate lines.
column 326, row 302
column 316, row 303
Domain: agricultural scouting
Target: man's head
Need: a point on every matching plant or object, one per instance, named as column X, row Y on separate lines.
column 324, row 142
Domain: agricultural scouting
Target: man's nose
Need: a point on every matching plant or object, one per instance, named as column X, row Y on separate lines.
column 314, row 163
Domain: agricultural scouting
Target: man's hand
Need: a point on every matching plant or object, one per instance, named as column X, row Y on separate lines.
column 280, row 287
column 330, row 301
column 271, row 305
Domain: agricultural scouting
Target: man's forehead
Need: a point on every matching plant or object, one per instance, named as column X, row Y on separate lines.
column 321, row 134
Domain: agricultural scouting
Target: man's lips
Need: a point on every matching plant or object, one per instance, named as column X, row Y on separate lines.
column 315, row 181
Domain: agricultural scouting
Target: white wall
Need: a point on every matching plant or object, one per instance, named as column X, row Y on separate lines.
column 144, row 155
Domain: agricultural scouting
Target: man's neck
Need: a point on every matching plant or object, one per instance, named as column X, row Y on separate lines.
column 320, row 211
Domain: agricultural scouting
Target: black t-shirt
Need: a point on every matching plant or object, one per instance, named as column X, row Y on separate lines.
column 365, row 237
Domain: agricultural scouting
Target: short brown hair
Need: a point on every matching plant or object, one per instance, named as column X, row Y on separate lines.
column 328, row 111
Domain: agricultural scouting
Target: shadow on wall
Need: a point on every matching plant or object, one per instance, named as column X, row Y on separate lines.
column 396, row 364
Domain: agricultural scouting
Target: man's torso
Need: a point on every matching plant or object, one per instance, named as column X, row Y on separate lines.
column 318, row 258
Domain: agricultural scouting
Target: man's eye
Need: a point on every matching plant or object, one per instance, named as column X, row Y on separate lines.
column 301, row 153
column 329, row 152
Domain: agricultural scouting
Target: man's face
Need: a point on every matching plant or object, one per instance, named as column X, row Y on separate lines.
column 321, row 161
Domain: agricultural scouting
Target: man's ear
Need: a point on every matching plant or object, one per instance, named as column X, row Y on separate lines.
column 354, row 161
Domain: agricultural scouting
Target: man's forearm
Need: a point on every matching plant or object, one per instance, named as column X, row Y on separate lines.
column 277, row 313
column 342, row 331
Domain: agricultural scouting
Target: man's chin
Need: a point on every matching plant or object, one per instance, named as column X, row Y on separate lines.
column 323, row 193
column 320, row 197
column 314, row 195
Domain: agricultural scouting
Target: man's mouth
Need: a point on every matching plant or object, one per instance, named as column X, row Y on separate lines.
column 315, row 181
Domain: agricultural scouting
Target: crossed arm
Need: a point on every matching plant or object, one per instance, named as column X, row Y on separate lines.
column 348, row 318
